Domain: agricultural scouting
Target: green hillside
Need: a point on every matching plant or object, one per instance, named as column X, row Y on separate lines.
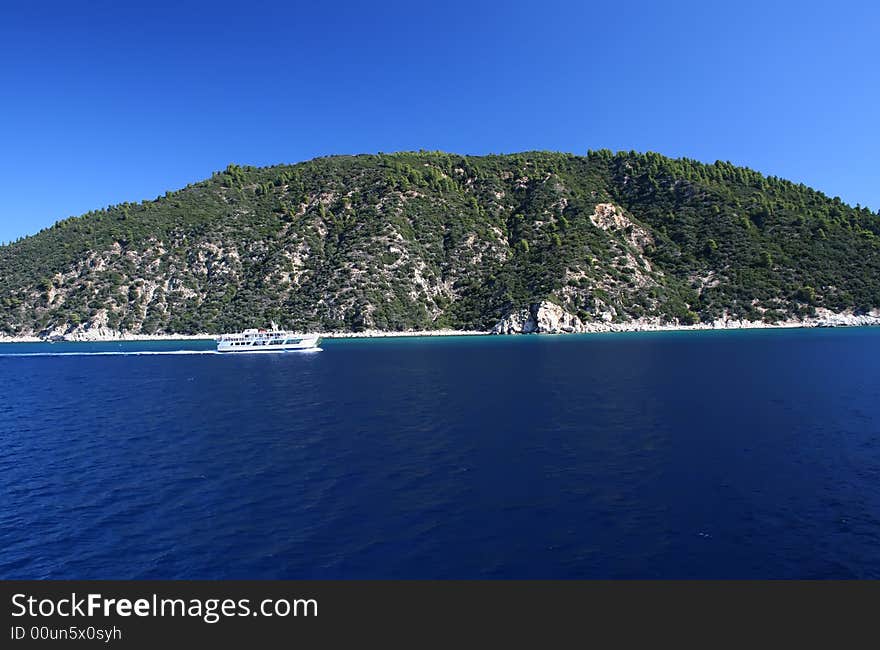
column 435, row 240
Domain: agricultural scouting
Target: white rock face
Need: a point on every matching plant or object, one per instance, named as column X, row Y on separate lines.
column 514, row 323
column 607, row 216
column 84, row 332
column 549, row 318
column 539, row 318
column 828, row 318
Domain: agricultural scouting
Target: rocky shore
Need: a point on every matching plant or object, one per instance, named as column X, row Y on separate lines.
column 104, row 335
column 549, row 318
column 539, row 318
column 370, row 334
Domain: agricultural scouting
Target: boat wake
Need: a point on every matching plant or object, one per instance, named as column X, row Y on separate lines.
column 106, row 354
column 142, row 353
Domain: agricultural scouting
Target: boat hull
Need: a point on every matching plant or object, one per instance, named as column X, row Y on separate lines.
column 256, row 347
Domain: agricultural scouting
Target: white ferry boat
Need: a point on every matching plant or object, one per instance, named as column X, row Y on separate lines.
column 260, row 340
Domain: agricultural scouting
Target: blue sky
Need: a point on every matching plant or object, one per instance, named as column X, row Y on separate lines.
column 104, row 102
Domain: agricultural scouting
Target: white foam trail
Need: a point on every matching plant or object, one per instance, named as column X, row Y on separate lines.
column 104, row 354
column 148, row 353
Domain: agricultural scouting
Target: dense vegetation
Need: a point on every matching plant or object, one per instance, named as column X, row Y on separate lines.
column 430, row 240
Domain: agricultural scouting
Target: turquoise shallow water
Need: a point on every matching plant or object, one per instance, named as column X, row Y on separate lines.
column 679, row 454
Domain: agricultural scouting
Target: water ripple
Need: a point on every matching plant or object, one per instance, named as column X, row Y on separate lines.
column 710, row 455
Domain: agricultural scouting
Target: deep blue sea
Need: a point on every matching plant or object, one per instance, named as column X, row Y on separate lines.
column 746, row 454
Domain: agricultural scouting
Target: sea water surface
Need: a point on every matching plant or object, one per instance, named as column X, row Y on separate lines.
column 748, row 454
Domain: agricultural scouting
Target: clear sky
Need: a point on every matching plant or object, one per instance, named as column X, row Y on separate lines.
column 103, row 102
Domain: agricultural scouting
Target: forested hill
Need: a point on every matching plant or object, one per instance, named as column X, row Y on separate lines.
column 435, row 240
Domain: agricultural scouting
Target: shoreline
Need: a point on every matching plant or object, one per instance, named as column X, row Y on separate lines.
column 123, row 338
column 591, row 328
